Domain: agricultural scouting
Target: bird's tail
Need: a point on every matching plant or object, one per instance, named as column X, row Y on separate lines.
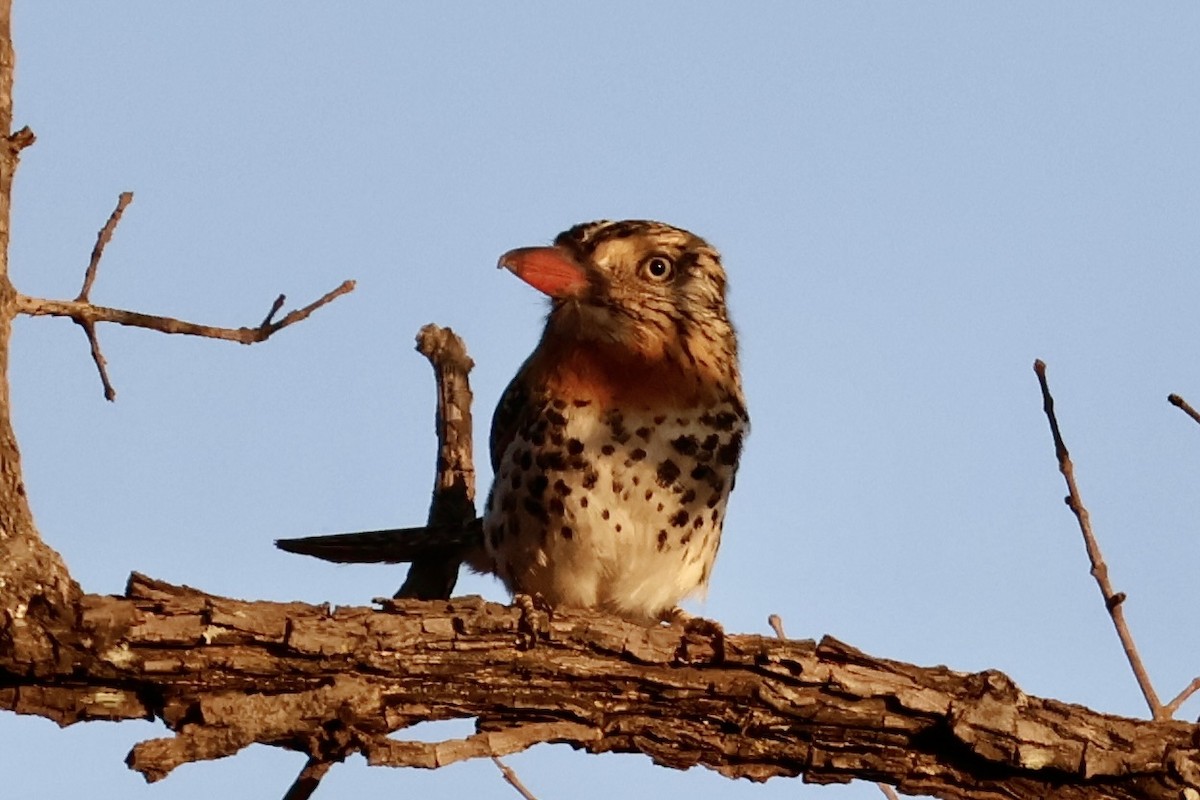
column 390, row 546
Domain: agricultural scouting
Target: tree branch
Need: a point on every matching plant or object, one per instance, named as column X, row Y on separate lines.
column 224, row 673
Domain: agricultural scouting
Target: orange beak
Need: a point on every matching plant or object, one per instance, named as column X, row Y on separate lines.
column 550, row 270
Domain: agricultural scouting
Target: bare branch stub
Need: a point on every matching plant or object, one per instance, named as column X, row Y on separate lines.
column 1183, row 406
column 1113, row 600
column 21, row 139
column 433, row 577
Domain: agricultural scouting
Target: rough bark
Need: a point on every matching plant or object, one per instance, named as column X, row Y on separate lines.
column 224, row 673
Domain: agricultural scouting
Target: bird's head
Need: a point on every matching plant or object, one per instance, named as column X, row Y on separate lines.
column 651, row 290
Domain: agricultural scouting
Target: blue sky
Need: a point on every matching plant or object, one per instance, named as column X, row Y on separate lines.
column 914, row 202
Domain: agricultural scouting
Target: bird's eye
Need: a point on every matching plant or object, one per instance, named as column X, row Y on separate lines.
column 658, row 268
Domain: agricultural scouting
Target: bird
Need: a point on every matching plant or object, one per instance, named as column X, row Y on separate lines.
column 615, row 447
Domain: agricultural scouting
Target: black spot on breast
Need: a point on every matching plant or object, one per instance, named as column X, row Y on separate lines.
column 618, row 486
column 662, row 540
column 649, row 493
column 688, row 496
column 730, row 452
column 604, row 514
column 617, row 527
column 559, row 404
column 526, row 460
column 685, row 445
column 687, row 537
column 637, row 454
column 556, row 437
column 581, row 403
column 561, row 487
column 668, row 471
column 608, row 449
column 725, row 421
column 636, row 480
column 495, row 536
column 537, row 438
column 712, row 501
column 702, row 472
column 566, row 532
column 643, row 434
column 574, row 447
column 538, row 485
column 556, row 507
column 551, row 460
column 515, row 481
column 698, row 522
column 683, row 422
column 536, row 510
column 660, row 419
column 583, row 502
column 679, row 518
column 509, row 502
column 710, row 442
column 589, row 478
column 554, row 417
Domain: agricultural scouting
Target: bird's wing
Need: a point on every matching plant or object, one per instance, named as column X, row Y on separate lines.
column 516, row 403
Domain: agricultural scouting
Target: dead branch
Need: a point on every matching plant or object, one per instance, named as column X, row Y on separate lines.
column 432, row 577
column 1113, row 599
column 85, row 312
column 224, row 673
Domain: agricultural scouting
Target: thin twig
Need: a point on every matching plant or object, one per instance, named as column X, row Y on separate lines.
column 888, row 791
column 511, row 776
column 278, row 304
column 1181, row 698
column 110, row 393
column 1113, row 600
column 102, row 239
column 1182, row 404
column 307, row 781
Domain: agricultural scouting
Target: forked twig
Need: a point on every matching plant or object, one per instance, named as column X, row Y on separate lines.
column 1112, row 599
column 84, row 313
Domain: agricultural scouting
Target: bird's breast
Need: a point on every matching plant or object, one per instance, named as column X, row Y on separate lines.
column 614, row 506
